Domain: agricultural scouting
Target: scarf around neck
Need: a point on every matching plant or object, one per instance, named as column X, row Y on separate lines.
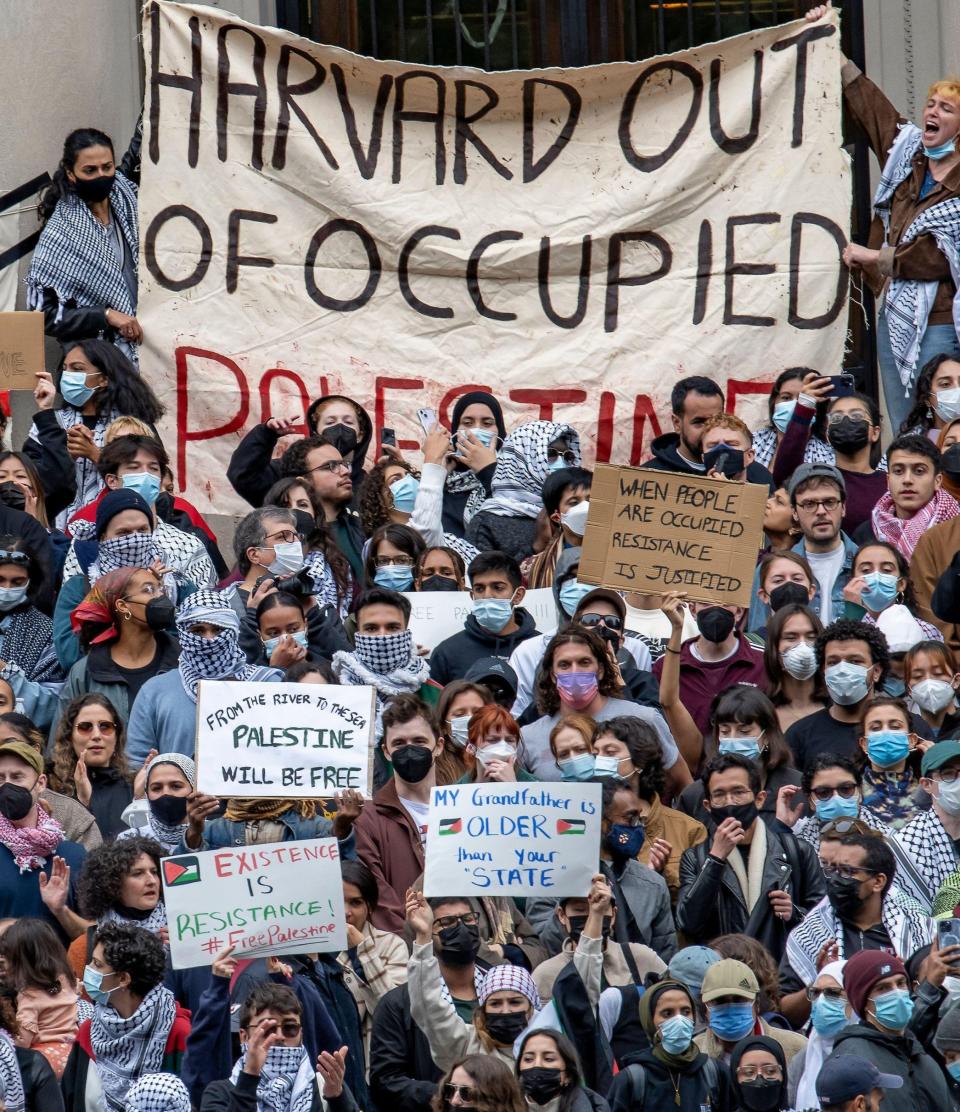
column 152, row 922
column 12, row 1097
column 905, row 533
column 751, row 878
column 522, row 467
column 127, row 1048
column 31, row 845
column 287, row 1080
column 647, row 1004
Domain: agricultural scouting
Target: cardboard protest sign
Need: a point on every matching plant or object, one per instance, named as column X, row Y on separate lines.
column 437, row 615
column 512, row 840
column 21, row 350
column 283, row 740
column 573, row 240
column 654, row 531
column 279, row 898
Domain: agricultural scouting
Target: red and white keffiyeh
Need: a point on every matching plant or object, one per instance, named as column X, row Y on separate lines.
column 904, row 533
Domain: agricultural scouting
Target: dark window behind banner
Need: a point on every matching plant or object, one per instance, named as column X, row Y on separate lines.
column 529, row 34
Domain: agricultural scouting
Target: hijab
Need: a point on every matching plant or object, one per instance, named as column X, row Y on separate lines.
column 648, row 1004
column 758, row 1042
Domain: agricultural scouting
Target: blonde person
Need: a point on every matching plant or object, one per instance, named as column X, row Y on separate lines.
column 571, row 743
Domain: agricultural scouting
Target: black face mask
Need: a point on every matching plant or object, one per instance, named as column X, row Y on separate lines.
column 412, row 762
column 159, row 613
column 744, row 813
column 726, row 461
column 950, row 461
column 788, row 593
column 15, row 802
column 11, row 495
column 541, row 1084
column 578, row 922
column 715, row 623
column 459, row 945
column 844, row 894
column 439, row 583
column 171, row 810
column 848, row 435
column 762, row 1095
column 92, row 190
column 505, row 1027
column 342, row 437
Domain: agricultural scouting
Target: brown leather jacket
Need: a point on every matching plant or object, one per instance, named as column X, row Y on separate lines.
column 388, row 843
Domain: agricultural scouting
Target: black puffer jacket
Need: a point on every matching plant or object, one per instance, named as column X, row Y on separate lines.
column 40, row 1086
column 452, row 658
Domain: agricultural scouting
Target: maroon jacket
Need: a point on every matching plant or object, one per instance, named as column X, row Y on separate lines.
column 388, row 843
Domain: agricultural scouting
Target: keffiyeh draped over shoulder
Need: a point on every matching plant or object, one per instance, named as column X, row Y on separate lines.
column 126, row 1049
column 158, row 1092
column 522, row 468
column 12, row 1097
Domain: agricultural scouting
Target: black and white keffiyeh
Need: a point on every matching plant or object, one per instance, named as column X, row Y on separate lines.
column 153, row 923
column 158, row 1092
column 210, row 658
column 808, row 829
column 182, row 553
column 325, row 588
column 26, row 645
column 387, row 663
column 287, row 1080
column 927, row 844
column 765, row 446
column 465, row 481
column 89, row 483
column 12, row 1098
column 522, row 467
column 125, row 1049
column 908, row 302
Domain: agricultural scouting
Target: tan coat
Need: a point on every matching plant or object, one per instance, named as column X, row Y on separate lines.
column 790, row 1041
column 680, row 830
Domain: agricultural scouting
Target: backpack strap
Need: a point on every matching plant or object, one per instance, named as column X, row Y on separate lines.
column 631, row 962
column 638, row 1084
column 712, row 1077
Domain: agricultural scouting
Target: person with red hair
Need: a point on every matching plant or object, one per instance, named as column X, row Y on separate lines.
column 493, row 742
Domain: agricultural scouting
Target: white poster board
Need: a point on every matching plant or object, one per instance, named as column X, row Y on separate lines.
column 283, row 740
column 280, row 898
column 532, row 839
column 437, row 615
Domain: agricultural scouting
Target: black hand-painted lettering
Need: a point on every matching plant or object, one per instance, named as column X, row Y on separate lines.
column 175, row 81
column 726, row 143
column 704, row 271
column 648, row 163
column 473, row 274
column 403, row 116
column 840, row 292
column 203, row 257
column 464, row 132
column 533, row 167
column 366, row 159
column 801, row 42
column 732, row 268
column 287, row 94
column 403, row 271
column 583, row 284
column 234, row 259
column 614, row 278
column 320, row 237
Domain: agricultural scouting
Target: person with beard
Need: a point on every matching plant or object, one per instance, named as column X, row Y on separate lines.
column 342, row 422
column 862, row 910
column 758, row 1070
column 727, row 448
column 878, row 991
column 588, row 925
column 749, row 878
column 671, row 1071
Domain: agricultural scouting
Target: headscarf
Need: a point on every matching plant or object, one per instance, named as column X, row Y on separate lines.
column 648, row 1002
column 759, row 1042
column 951, row 486
column 461, row 480
column 819, row 1048
column 263, row 810
column 158, row 1092
column 203, row 658
column 509, row 978
column 522, row 468
column 98, row 610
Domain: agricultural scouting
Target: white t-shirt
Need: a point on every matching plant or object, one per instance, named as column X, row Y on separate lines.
column 419, row 812
column 826, row 567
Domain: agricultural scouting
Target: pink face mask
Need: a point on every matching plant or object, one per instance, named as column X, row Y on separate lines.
column 577, row 689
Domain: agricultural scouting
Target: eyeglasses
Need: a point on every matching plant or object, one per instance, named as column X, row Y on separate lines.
column 611, row 621
column 846, row 790
column 105, row 727
column 735, row 795
column 769, row 1072
column 331, row 467
column 287, row 536
column 810, row 505
column 948, row 775
column 847, row 872
column 843, row 827
column 393, row 562
column 569, row 457
column 466, row 1093
column 854, row 415
column 289, row 1028
column 444, row 922
column 830, row 993
column 151, row 590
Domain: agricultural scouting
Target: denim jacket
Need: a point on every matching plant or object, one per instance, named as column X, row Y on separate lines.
column 760, row 612
column 218, row 833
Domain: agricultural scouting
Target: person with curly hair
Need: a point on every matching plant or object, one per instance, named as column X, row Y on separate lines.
column 90, row 763
column 137, row 1025
column 119, row 883
column 26, row 1078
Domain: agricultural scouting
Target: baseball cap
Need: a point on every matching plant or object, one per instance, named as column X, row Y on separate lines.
column 816, row 471
column 841, row 1079
column 494, row 668
column 689, row 965
column 938, row 755
column 729, row 977
column 603, row 594
column 25, row 753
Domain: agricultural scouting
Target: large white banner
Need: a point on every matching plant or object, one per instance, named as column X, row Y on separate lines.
column 572, row 240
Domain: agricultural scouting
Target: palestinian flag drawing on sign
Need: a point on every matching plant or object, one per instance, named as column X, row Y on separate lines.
column 450, row 826
column 571, row 826
column 181, row 870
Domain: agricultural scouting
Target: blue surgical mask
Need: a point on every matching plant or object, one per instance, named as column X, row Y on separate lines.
column 886, row 748
column 748, row 747
column 731, row 1022
column 271, row 642
column 829, row 1016
column 782, row 412
column 893, row 1009
column 943, row 151
column 577, row 768
column 879, row 592
column 74, row 388
column 571, row 595
column 847, row 683
column 894, row 685
column 606, row 766
column 556, row 465
column 493, row 614
column 92, row 980
column 11, row 597
column 836, row 807
column 404, row 492
column 676, row 1034
column 485, row 436
column 954, row 1070
column 394, row 577
column 144, row 483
